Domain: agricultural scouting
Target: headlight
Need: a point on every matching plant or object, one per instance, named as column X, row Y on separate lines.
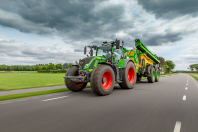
column 85, row 66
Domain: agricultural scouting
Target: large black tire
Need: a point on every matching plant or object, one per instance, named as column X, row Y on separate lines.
column 71, row 85
column 102, row 80
column 151, row 78
column 139, row 77
column 128, row 76
column 157, row 74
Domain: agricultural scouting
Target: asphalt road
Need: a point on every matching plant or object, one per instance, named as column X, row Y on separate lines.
column 170, row 105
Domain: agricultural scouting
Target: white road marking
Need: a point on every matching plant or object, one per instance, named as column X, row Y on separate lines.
column 186, row 88
column 177, row 126
column 55, row 98
column 186, row 83
column 184, row 97
column 7, row 102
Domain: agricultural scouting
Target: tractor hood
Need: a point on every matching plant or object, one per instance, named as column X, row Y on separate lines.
column 84, row 61
column 89, row 63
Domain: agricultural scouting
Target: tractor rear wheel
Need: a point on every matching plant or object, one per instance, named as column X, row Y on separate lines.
column 128, row 76
column 102, row 80
column 157, row 74
column 151, row 78
column 71, row 85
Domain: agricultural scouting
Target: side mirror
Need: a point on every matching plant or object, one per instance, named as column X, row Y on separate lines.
column 117, row 44
column 85, row 49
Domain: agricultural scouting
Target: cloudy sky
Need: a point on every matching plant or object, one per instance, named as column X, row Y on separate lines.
column 43, row 31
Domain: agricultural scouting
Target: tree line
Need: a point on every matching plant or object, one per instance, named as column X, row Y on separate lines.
column 36, row 67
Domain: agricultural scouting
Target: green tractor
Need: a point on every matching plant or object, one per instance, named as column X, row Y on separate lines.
column 111, row 63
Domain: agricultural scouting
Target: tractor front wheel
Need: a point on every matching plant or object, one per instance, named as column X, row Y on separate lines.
column 102, row 80
column 128, row 76
column 71, row 85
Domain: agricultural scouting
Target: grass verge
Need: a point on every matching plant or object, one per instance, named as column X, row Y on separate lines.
column 162, row 76
column 194, row 75
column 30, row 94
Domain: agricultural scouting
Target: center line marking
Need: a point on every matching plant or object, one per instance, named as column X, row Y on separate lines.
column 177, row 126
column 55, row 98
column 184, row 97
column 186, row 83
column 186, row 88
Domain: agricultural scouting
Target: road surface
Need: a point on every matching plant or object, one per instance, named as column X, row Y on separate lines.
column 170, row 105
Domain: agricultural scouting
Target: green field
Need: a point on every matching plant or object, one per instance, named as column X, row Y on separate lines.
column 29, row 79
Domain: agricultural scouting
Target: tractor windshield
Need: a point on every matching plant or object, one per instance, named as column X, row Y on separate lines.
column 105, row 51
column 117, row 54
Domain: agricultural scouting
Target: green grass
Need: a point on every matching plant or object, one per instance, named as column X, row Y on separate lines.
column 24, row 71
column 30, row 94
column 194, row 75
column 30, row 79
column 144, row 78
column 162, row 76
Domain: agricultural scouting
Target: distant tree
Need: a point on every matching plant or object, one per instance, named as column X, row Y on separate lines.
column 196, row 67
column 191, row 67
column 12, row 68
column 8, row 68
column 20, row 68
column 4, row 67
column 70, row 65
column 37, row 67
column 50, row 66
column 162, row 62
column 59, row 66
column 171, row 65
column 165, row 67
column 44, row 67
column 65, row 66
column 28, row 68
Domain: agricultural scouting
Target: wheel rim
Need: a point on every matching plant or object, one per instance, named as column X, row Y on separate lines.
column 131, row 75
column 106, row 80
column 153, row 75
column 78, row 83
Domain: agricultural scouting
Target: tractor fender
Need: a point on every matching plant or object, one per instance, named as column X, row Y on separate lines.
column 76, row 65
column 125, row 63
column 105, row 63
